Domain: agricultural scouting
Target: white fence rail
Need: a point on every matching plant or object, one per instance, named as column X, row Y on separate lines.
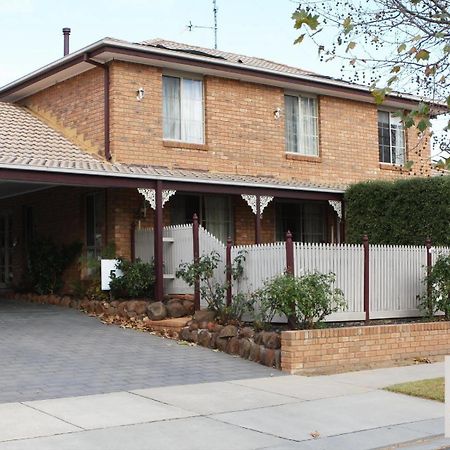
column 396, row 280
column 346, row 262
column 396, row 273
column 262, row 262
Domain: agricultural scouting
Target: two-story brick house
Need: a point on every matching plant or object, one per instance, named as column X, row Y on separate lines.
column 253, row 147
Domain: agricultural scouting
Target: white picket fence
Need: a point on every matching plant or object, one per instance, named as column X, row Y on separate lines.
column 346, row 262
column 395, row 272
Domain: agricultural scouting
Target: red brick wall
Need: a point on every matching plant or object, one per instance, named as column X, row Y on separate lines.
column 353, row 348
column 242, row 135
column 75, row 108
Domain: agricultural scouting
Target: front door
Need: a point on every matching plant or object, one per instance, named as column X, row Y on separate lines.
column 5, row 250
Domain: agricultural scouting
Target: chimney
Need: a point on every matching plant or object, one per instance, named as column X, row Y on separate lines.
column 66, row 33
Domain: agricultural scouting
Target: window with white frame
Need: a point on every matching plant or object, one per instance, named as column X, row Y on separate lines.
column 391, row 138
column 183, row 109
column 301, row 118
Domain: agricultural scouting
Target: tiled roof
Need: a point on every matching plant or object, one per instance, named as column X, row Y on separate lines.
column 22, row 135
column 27, row 143
column 231, row 57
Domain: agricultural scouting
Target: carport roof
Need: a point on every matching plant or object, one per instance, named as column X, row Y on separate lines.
column 29, row 144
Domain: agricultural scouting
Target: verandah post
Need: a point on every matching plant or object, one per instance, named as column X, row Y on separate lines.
column 258, row 220
column 289, row 254
column 158, row 242
column 366, row 278
column 196, row 251
column 228, row 267
column 429, row 267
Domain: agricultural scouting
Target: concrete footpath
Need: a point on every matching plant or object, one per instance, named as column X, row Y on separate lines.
column 345, row 411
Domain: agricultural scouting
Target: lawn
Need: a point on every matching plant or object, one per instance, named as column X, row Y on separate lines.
column 433, row 389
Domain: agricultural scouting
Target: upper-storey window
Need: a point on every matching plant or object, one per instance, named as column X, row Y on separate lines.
column 301, row 125
column 391, row 138
column 183, row 109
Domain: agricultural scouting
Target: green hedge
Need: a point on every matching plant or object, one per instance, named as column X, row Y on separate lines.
column 402, row 212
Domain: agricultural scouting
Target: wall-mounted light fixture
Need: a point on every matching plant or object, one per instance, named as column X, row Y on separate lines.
column 140, row 94
column 277, row 113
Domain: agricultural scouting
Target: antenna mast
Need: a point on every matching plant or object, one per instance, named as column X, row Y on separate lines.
column 190, row 26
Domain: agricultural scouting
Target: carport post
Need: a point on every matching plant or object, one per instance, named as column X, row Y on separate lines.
column 158, row 241
column 289, row 254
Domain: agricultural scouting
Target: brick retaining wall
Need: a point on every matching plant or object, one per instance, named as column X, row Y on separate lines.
column 353, row 348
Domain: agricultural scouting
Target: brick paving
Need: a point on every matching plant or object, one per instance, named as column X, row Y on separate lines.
column 50, row 352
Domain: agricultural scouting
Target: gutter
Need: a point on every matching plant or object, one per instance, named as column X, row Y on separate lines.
column 167, row 178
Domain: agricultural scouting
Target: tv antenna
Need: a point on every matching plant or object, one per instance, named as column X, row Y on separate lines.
column 190, row 26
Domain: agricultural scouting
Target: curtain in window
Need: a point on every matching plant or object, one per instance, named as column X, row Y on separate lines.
column 308, row 126
column 192, row 111
column 171, row 108
column 217, row 217
column 397, row 140
column 291, row 122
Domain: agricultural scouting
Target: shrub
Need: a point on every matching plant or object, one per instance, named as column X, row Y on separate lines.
column 213, row 292
column 137, row 280
column 403, row 212
column 47, row 262
column 437, row 282
column 304, row 300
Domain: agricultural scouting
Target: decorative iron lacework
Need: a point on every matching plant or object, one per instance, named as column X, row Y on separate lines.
column 264, row 200
column 337, row 206
column 149, row 195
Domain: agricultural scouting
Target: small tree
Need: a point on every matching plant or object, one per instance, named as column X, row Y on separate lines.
column 437, row 297
column 214, row 292
column 304, row 300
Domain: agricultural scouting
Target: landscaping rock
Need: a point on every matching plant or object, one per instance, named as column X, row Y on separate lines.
column 255, row 350
column 233, row 346
column 213, row 341
column 193, row 325
column 175, row 309
column 203, row 325
column 140, row 307
column 228, row 331
column 185, row 334
column 156, row 311
column 204, row 315
column 257, row 337
column 221, row 344
column 246, row 332
column 188, row 307
column 268, row 358
column 204, row 338
column 278, row 359
column 272, row 340
column 194, row 336
column 244, row 348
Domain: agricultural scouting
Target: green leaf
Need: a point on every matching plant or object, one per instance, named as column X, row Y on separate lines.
column 347, row 24
column 447, row 48
column 401, row 48
column 350, row 46
column 423, row 125
column 422, row 54
column 299, row 40
column 380, row 94
column 303, row 17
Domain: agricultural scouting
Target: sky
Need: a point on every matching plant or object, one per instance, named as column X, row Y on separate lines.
column 31, row 36
column 30, row 30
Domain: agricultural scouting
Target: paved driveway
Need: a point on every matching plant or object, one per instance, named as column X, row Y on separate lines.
column 49, row 352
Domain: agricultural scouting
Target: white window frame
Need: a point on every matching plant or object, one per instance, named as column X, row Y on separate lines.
column 188, row 76
column 316, row 152
column 396, row 120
